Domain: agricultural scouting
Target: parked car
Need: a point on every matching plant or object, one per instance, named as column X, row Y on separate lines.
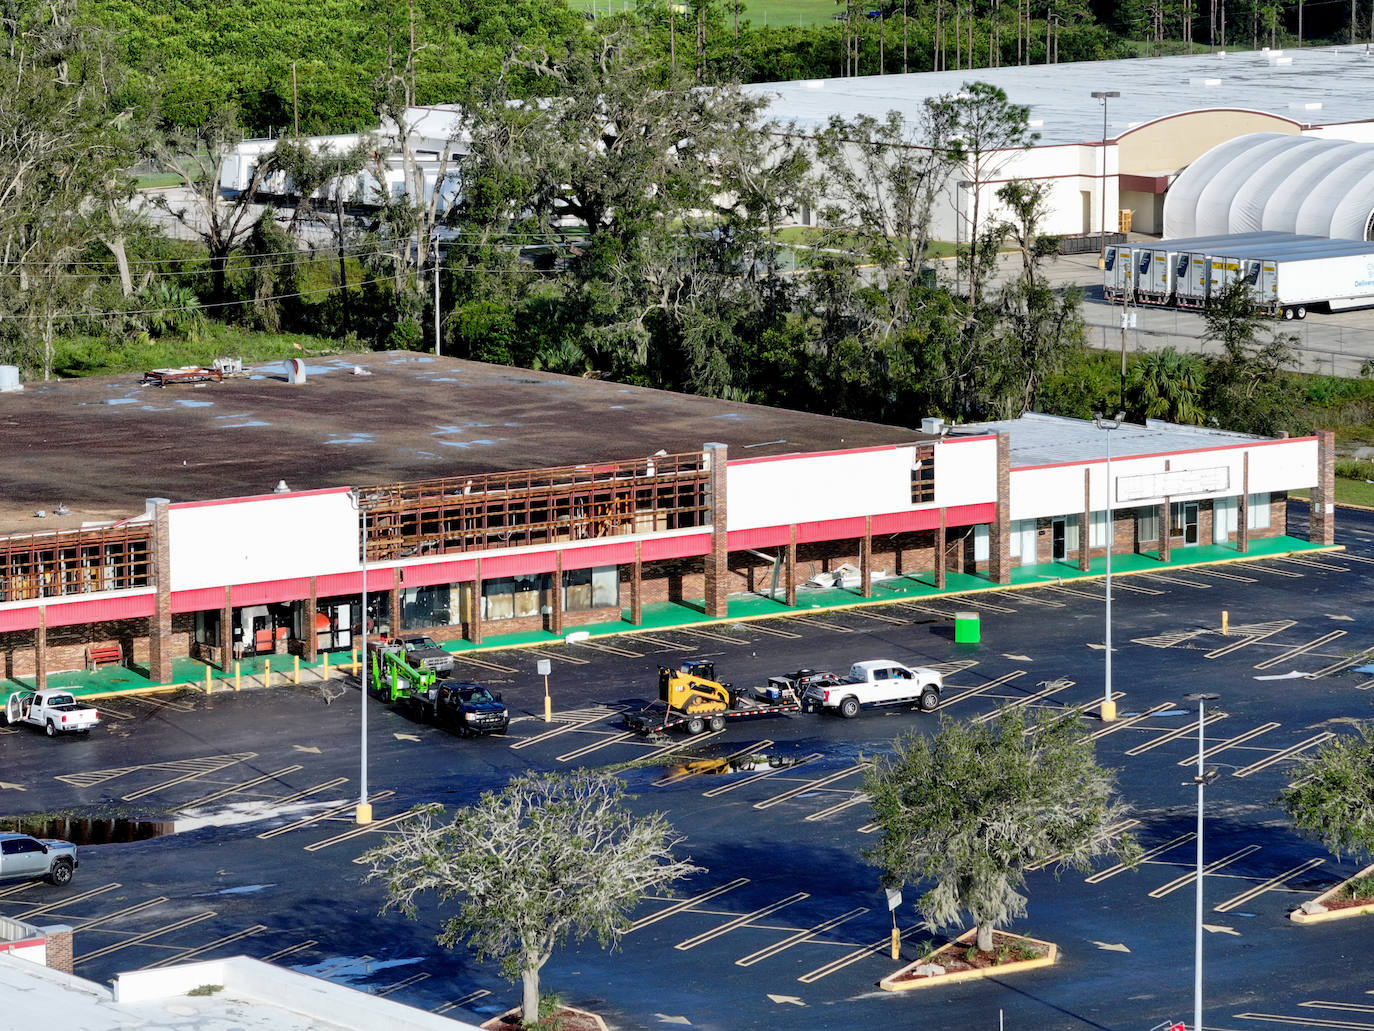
column 877, row 682
column 470, row 708
column 423, row 653
column 27, row 858
column 55, row 710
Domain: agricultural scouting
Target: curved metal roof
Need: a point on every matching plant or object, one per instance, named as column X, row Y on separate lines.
column 1272, row 181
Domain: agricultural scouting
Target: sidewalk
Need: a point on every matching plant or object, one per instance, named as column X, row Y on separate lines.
column 282, row 669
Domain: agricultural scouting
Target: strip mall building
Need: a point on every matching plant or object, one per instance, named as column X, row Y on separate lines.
column 495, row 500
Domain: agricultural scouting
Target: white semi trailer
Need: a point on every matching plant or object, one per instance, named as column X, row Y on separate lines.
column 1196, row 269
column 1339, row 277
column 1155, row 263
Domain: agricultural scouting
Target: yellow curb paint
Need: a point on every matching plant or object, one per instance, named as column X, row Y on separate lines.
column 1299, row 917
column 891, row 983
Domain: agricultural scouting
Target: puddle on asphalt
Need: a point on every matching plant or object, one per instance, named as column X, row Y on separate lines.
column 734, row 764
column 88, row 831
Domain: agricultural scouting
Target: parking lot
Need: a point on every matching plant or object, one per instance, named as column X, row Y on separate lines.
column 787, row 926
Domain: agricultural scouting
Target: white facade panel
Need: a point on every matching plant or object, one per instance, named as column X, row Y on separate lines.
column 1290, row 465
column 252, row 540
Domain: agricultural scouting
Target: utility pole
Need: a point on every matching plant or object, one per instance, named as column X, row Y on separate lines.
column 436, row 292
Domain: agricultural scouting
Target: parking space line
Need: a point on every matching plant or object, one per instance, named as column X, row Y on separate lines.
column 983, row 603
column 1129, row 721
column 1047, row 688
column 773, row 631
column 298, row 795
column 682, row 905
column 948, row 669
column 1225, row 575
column 614, row 739
column 820, row 624
column 56, row 907
column 610, row 649
column 347, row 807
column 564, row 727
column 228, row 939
column 669, row 646
column 1230, row 742
column 763, row 774
column 212, row 764
column 1316, row 642
column 1276, row 881
column 1170, row 638
column 357, row 832
column 1178, row 580
column 572, row 660
column 811, row 785
column 739, row 921
column 1034, row 599
column 859, row 798
column 13, row 889
column 1188, row 878
column 487, row 664
column 681, row 775
column 1071, row 712
column 1145, row 857
column 972, row 692
column 800, row 936
column 1111, row 832
column 695, row 631
column 881, row 617
column 290, row 950
column 91, row 778
column 146, row 936
column 161, row 702
column 1347, row 556
column 1250, row 635
column 118, row 914
column 1124, row 585
column 235, row 788
column 1075, row 591
column 878, row 948
column 1348, row 1007
column 1261, row 568
column 1275, row 1018
column 404, row 983
column 669, row 749
column 462, row 1000
column 1314, row 564
column 1173, row 735
column 1358, row 659
column 1287, row 753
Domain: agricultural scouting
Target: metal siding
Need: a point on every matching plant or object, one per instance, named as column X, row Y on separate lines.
column 199, row 600
column 18, row 619
column 676, row 547
column 517, row 565
column 280, row 590
column 758, row 537
column 99, row 609
column 905, row 522
column 437, row 573
column 600, row 555
column 830, row 530
column 971, row 515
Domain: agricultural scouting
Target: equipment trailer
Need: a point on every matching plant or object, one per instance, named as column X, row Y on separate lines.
column 691, row 699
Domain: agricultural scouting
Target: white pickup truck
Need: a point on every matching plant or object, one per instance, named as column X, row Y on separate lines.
column 878, row 682
column 55, row 710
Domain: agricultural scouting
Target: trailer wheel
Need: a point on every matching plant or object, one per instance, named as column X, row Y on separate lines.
column 717, row 723
column 1288, row 314
column 849, row 708
column 695, row 725
column 1301, row 312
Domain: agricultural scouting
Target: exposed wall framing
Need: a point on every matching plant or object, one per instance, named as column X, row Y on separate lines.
column 48, row 565
column 536, row 506
column 923, row 475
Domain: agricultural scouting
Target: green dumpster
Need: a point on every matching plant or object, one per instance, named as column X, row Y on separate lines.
column 966, row 628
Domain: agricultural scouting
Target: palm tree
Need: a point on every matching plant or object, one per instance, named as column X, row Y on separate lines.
column 1167, row 385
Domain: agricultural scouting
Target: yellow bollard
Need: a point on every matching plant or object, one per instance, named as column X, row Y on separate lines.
column 896, row 944
column 267, row 674
column 296, row 669
column 1225, row 622
column 548, row 709
column 324, row 670
column 356, row 667
column 207, row 679
column 238, row 678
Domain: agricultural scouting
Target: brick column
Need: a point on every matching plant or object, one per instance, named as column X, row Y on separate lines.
column 1166, row 516
column 57, row 947
column 393, row 603
column 160, row 623
column 717, row 568
column 1085, row 532
column 556, row 602
column 999, row 534
column 310, row 647
column 40, row 650
column 790, row 567
column 866, row 559
column 637, row 586
column 475, row 616
column 226, row 631
column 1243, row 507
column 1321, row 524
column 940, row 553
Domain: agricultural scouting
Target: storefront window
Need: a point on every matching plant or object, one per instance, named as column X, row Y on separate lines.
column 596, row 588
column 513, row 597
column 431, row 606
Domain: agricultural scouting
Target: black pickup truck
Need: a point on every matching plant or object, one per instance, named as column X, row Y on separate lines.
column 469, row 708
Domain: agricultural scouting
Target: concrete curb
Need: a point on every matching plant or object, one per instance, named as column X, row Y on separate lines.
column 1299, row 917
column 891, row 983
column 499, row 1023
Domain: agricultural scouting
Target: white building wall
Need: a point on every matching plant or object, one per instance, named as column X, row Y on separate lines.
column 251, row 540
column 1058, row 490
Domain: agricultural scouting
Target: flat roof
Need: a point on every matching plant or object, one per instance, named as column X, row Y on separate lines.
column 1048, row 439
column 102, row 445
column 1311, row 86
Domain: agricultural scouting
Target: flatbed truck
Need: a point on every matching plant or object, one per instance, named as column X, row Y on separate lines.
column 690, row 699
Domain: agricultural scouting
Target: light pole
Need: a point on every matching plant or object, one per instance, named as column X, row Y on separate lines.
column 1202, row 779
column 959, row 188
column 1107, row 425
column 363, row 814
column 436, row 304
column 1104, row 96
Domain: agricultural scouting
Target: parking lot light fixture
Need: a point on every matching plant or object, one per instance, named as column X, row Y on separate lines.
column 1201, row 779
column 1107, row 425
column 363, row 813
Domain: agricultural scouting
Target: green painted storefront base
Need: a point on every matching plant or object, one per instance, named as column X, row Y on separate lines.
column 190, row 673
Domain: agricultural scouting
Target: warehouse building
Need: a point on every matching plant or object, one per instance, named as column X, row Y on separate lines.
column 152, row 525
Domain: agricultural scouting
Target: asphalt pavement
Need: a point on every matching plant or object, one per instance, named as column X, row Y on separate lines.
column 787, row 926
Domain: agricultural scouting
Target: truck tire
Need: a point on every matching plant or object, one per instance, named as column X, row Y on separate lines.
column 695, row 725
column 849, row 707
column 930, row 700
column 61, row 873
column 1300, row 312
column 717, row 723
column 51, row 729
column 1288, row 314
